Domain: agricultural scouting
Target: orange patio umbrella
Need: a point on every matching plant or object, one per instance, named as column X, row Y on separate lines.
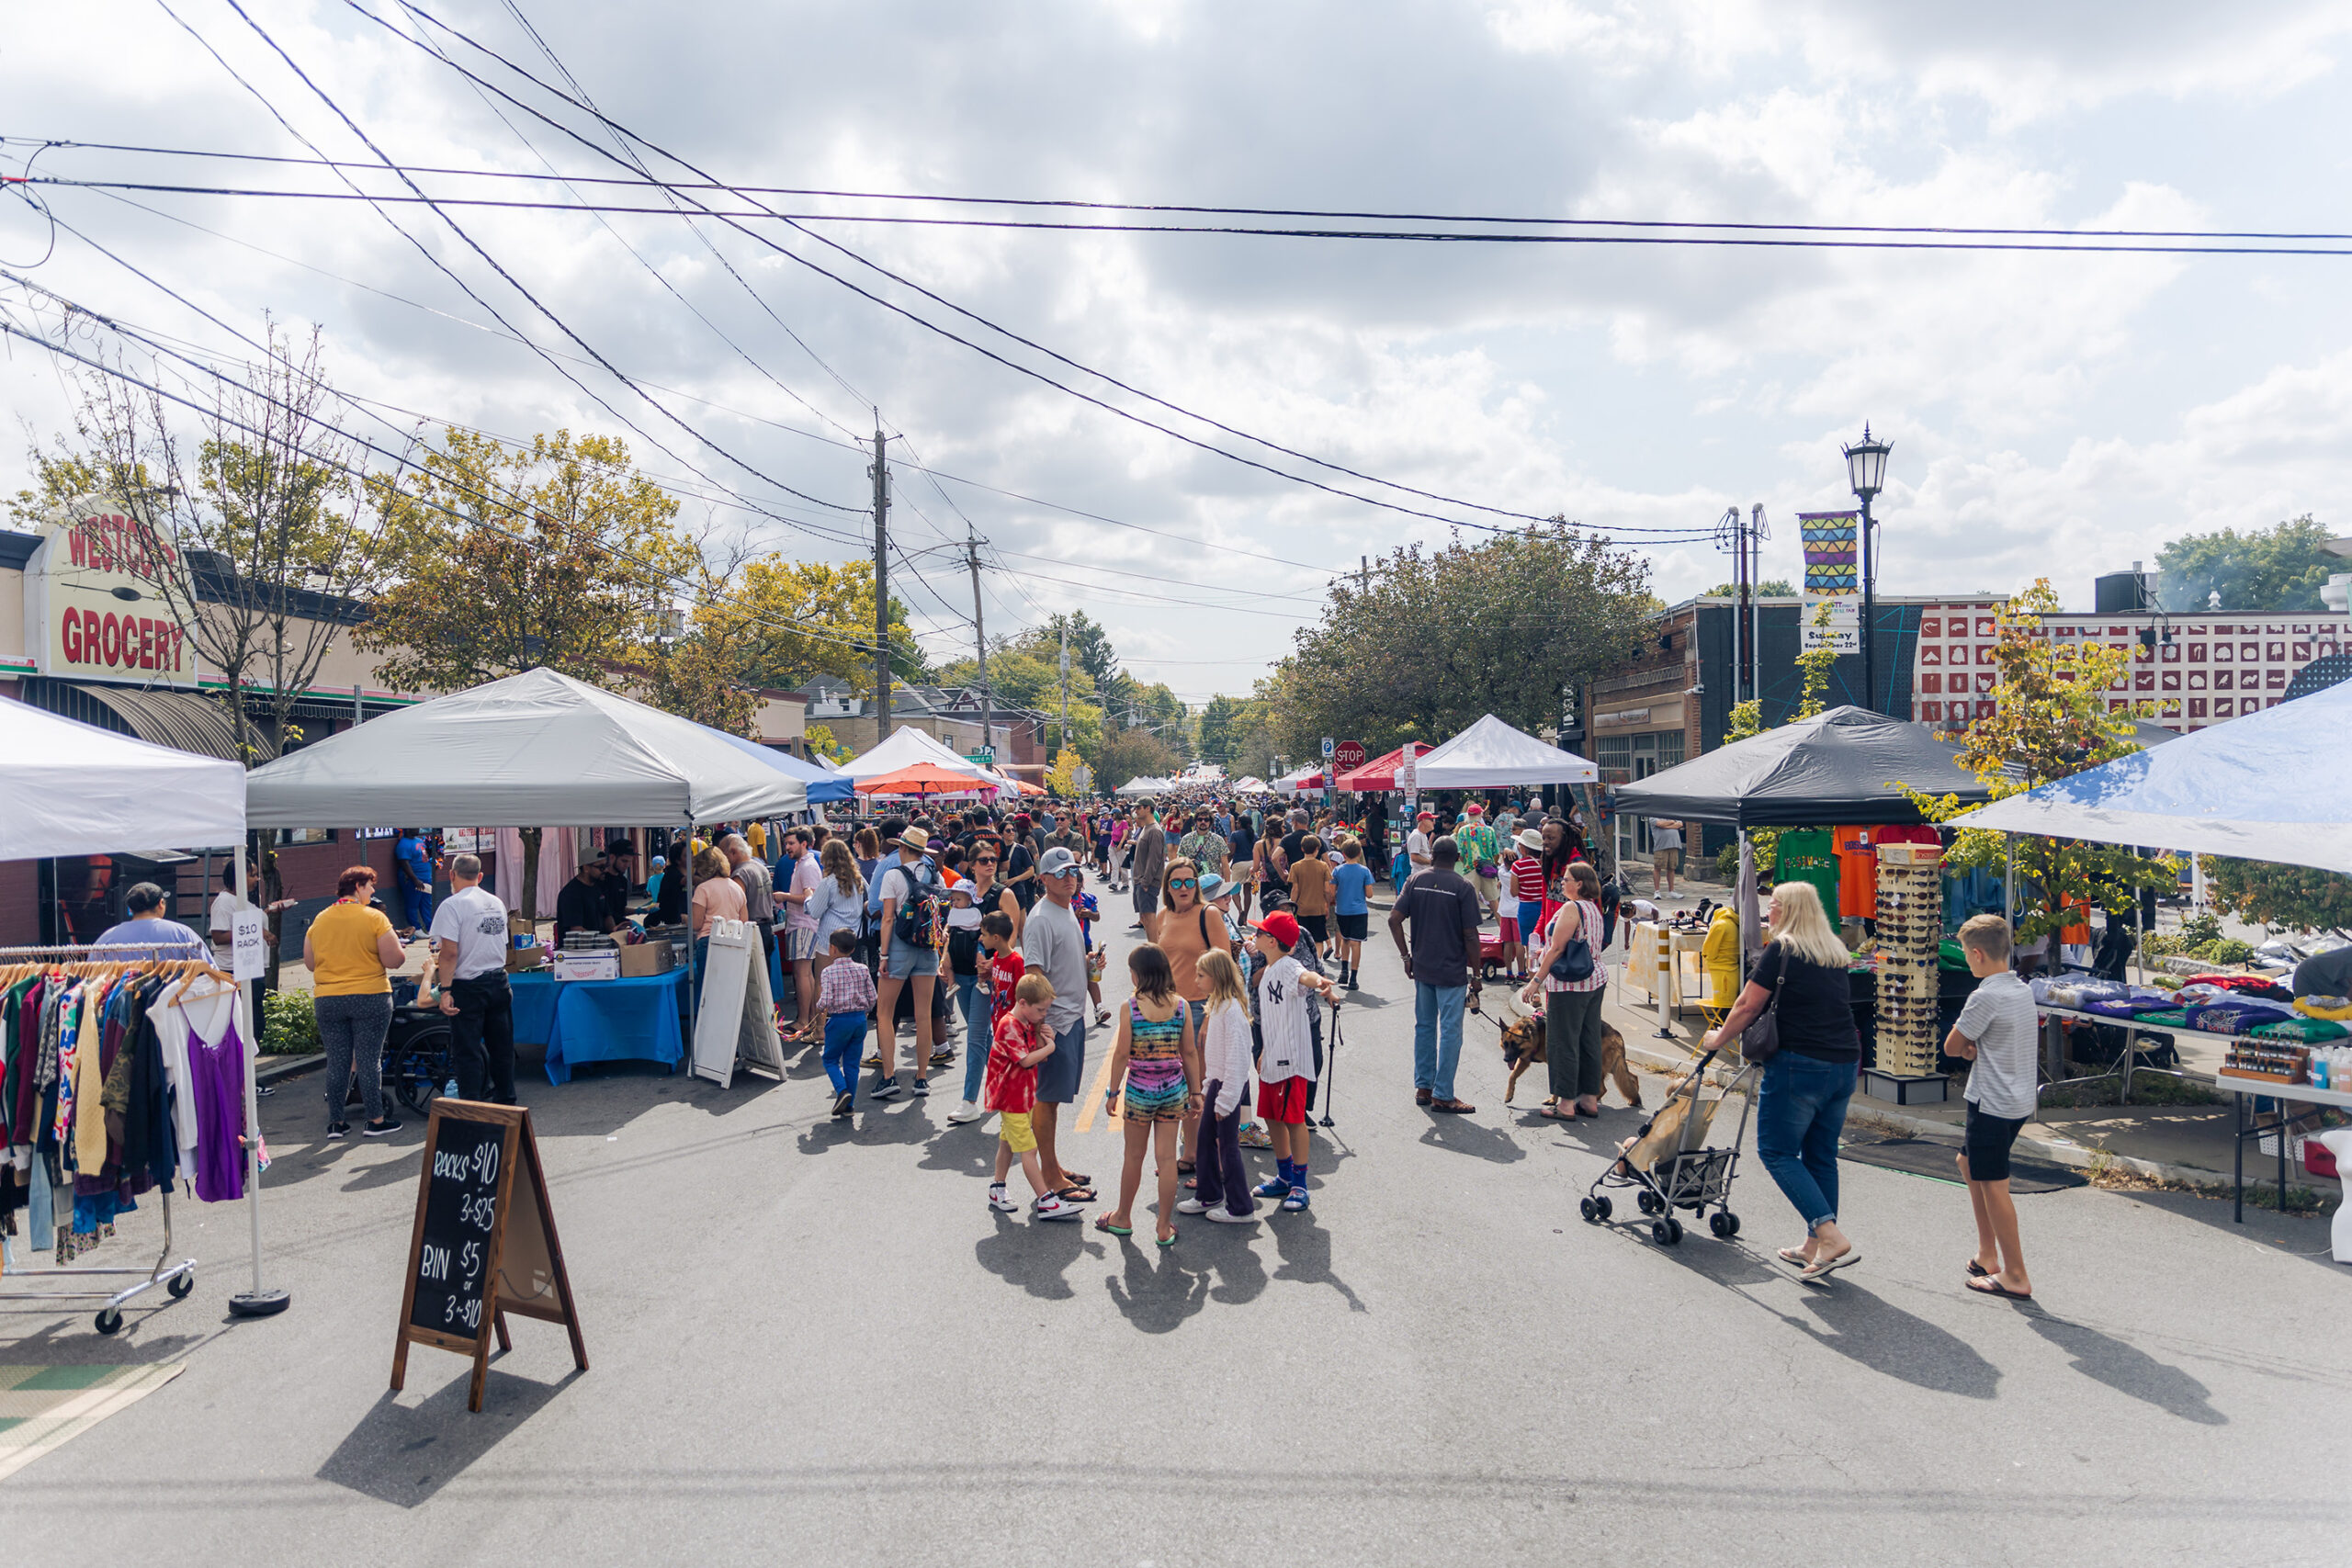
column 923, row 779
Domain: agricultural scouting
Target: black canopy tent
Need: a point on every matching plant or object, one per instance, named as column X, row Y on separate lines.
column 1842, row 768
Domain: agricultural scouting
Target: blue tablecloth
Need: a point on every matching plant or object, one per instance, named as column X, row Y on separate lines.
column 608, row 1021
column 534, row 1006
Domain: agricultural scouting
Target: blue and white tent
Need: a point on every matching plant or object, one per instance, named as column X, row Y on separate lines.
column 2276, row 786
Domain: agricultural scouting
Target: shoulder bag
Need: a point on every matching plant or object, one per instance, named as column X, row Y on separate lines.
column 1575, row 961
column 1760, row 1042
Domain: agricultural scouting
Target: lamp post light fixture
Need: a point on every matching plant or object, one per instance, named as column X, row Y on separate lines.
column 1866, row 469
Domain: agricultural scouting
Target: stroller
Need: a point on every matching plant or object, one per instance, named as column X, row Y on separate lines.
column 1683, row 1171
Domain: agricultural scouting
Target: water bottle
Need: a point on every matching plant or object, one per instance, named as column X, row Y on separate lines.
column 449, row 1089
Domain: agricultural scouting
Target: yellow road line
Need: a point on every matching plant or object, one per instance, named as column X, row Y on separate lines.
column 1094, row 1097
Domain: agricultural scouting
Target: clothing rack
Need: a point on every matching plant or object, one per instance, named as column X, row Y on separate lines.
column 177, row 1279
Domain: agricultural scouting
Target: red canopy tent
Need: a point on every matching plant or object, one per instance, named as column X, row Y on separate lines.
column 1380, row 773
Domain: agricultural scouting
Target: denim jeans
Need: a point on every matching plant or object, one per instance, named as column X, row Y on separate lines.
column 972, row 996
column 1800, row 1112
column 844, row 1038
column 1437, row 1036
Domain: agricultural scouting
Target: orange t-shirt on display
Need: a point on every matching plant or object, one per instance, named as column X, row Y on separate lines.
column 1857, row 872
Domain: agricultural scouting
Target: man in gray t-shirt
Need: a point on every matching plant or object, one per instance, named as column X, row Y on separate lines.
column 1052, row 944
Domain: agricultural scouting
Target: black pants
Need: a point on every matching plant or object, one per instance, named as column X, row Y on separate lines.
column 484, row 1034
column 1223, row 1183
column 1572, row 1050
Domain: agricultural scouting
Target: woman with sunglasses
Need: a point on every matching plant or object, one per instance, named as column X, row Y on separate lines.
column 1185, row 929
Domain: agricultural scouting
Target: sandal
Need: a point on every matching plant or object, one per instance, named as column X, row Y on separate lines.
column 1988, row 1286
column 1795, row 1255
column 1553, row 1113
column 1186, row 1166
column 1977, row 1270
column 1168, row 1240
column 1076, row 1180
column 1075, row 1193
column 1103, row 1222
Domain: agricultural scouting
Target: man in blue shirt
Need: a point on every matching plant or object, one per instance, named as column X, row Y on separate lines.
column 413, row 868
column 148, row 929
column 1351, row 903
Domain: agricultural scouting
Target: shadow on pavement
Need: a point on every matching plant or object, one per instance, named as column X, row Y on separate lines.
column 1459, row 1136
column 2126, row 1368
column 403, row 1455
column 1157, row 1294
column 1305, row 1250
column 1035, row 1256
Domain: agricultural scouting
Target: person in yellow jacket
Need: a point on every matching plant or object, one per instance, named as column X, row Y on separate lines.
column 1720, row 953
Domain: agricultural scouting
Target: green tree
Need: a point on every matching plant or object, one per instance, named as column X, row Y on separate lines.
column 2297, row 898
column 1779, row 588
column 1220, row 729
column 1133, row 754
column 556, row 556
column 2276, row 569
column 1090, row 644
column 789, row 620
column 1440, row 638
column 2050, row 721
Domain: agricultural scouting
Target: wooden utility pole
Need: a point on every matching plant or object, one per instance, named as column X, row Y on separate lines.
column 881, row 472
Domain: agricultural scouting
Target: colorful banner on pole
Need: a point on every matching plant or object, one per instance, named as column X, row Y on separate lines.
column 1833, row 579
column 1832, row 558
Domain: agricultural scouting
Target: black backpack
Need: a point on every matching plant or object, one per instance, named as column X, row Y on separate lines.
column 918, row 912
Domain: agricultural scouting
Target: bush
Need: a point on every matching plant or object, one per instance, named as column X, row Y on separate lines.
column 290, row 1026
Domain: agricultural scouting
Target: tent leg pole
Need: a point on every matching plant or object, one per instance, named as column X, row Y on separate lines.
column 257, row 1301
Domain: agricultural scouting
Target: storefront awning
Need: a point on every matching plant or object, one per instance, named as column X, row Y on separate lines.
column 182, row 720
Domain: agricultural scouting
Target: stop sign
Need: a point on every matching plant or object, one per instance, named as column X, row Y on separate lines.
column 1346, row 755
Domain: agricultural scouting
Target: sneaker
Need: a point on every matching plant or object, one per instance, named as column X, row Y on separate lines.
column 1273, row 1187
column 887, row 1089
column 844, row 1103
column 1255, row 1136
column 1224, row 1216
column 943, row 1056
column 919, row 1087
column 965, row 1110
column 1191, row 1206
column 378, row 1129
column 337, row 1129
column 1052, row 1208
column 1295, row 1200
column 874, row 1061
column 1001, row 1201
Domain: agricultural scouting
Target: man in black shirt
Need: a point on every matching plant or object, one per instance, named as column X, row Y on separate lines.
column 1443, row 964
column 583, row 904
column 620, row 875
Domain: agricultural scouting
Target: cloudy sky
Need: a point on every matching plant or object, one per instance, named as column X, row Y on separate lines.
column 2051, row 415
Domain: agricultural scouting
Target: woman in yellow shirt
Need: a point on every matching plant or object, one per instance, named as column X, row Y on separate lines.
column 351, row 950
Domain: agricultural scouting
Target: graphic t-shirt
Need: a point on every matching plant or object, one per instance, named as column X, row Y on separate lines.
column 1008, row 1086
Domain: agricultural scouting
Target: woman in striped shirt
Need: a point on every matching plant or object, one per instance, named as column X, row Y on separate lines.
column 1572, row 1008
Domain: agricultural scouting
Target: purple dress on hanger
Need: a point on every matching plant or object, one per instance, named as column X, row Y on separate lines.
column 219, row 1075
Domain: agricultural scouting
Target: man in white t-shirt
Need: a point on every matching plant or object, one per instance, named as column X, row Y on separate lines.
column 220, row 919
column 1418, row 841
column 1995, row 1034
column 469, row 938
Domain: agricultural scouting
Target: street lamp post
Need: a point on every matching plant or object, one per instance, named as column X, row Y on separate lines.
column 1866, row 467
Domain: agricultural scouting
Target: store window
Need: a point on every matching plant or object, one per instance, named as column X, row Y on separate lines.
column 1669, row 751
column 1614, row 753
column 290, row 836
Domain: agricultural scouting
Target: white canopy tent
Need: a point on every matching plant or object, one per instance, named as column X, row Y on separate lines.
column 1143, row 786
column 530, row 749
column 1253, row 784
column 1490, row 754
column 75, row 789
column 904, row 749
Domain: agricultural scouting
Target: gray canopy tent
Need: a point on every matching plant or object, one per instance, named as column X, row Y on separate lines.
column 530, row 750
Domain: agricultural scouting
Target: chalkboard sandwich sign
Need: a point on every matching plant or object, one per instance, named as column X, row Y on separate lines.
column 484, row 1244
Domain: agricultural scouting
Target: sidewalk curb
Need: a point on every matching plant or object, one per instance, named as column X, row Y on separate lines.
column 280, row 1067
column 2048, row 1147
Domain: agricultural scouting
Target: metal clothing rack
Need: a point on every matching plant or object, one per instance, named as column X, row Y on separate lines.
column 177, row 1279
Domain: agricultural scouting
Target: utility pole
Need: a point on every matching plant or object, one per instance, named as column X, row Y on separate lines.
column 981, row 641
column 881, row 472
column 1364, row 573
column 1064, row 685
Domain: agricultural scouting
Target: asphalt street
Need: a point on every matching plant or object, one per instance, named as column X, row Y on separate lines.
column 813, row 1343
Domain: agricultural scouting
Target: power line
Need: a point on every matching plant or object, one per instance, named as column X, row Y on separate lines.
column 470, row 243
column 912, row 316
column 1206, row 209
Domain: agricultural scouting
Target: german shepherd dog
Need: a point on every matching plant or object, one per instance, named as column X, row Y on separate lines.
column 1523, row 1048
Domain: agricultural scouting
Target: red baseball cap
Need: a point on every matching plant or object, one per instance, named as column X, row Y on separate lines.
column 1281, row 926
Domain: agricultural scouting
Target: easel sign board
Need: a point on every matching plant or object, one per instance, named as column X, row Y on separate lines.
column 485, row 1242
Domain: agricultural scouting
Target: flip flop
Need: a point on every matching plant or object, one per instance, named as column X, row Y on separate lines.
column 1103, row 1222
column 1078, row 1180
column 1553, row 1113
column 1075, row 1193
column 1822, row 1270
column 1165, row 1240
column 1977, row 1270
column 1989, row 1286
column 1792, row 1255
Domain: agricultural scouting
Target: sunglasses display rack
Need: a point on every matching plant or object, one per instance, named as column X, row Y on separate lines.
column 1910, row 926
